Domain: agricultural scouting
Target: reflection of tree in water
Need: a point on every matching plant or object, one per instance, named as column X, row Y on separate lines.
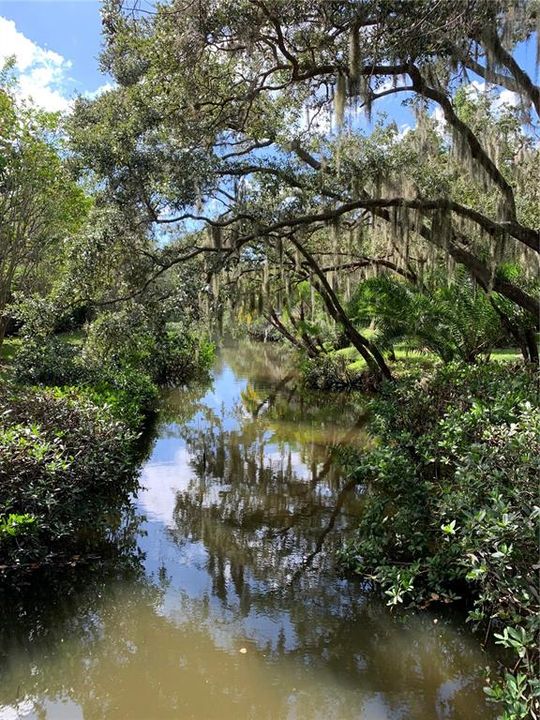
column 264, row 363
column 264, row 488
column 53, row 628
column 105, row 645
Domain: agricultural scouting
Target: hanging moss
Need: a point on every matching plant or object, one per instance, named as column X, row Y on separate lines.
column 441, row 227
column 340, row 97
column 354, row 59
column 215, row 282
column 217, row 240
column 359, row 237
column 462, row 153
column 366, row 95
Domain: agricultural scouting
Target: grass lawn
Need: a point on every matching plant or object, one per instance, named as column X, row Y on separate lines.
column 506, row 355
column 413, row 358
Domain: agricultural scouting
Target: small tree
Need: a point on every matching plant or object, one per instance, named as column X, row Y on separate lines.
column 40, row 205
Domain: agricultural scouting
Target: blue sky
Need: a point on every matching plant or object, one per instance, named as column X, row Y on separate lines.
column 57, row 44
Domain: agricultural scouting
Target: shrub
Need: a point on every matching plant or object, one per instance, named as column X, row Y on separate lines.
column 456, row 321
column 48, row 360
column 451, row 508
column 131, row 395
column 63, row 459
column 180, row 357
column 121, row 338
column 327, row 372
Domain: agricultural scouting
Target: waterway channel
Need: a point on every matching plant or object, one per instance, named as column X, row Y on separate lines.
column 234, row 607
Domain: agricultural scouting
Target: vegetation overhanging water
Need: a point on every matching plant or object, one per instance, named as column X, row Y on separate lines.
column 229, row 604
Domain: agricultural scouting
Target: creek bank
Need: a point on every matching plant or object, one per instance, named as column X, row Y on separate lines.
column 70, row 446
column 242, row 507
column 451, row 506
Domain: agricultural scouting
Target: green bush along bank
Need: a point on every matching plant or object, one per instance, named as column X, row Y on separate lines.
column 70, row 420
column 452, row 507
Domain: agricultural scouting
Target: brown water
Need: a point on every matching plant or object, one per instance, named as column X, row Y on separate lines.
column 229, row 606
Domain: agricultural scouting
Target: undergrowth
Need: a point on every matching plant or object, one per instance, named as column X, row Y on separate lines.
column 452, row 507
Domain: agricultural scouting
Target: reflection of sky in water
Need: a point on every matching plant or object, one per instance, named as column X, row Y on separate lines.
column 225, row 393
column 162, row 479
column 63, row 709
column 221, row 554
column 168, row 472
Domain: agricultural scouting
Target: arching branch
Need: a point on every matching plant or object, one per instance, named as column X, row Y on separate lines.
column 476, row 150
column 505, row 59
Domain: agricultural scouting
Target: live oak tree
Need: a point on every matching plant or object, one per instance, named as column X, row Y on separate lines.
column 244, row 117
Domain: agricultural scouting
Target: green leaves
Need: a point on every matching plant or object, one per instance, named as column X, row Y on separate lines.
column 63, row 460
column 449, row 528
column 517, row 638
column 447, row 316
column 451, row 502
column 40, row 204
column 16, row 524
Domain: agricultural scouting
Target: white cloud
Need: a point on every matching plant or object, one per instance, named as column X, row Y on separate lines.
column 499, row 99
column 403, row 130
column 318, row 121
column 92, row 95
column 440, row 121
column 476, row 88
column 507, row 97
column 43, row 74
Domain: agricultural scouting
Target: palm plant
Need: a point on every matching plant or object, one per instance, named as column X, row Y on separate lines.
column 453, row 321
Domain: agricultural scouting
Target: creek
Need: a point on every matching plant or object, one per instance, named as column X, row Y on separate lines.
column 233, row 606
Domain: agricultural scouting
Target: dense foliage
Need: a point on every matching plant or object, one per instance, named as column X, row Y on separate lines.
column 40, row 203
column 263, row 168
column 68, row 447
column 332, row 372
column 261, row 190
column 452, row 507
column 66, row 464
column 453, row 320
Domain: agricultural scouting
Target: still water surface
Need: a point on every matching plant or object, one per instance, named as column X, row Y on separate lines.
column 232, row 608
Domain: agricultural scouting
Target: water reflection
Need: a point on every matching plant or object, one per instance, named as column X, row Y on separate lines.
column 242, row 492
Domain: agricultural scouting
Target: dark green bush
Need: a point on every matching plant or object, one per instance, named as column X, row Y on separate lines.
column 180, row 357
column 48, row 360
column 130, row 392
column 67, row 449
column 452, row 506
column 327, row 372
column 63, row 459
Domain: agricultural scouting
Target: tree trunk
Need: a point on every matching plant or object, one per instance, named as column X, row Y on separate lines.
column 371, row 354
column 532, row 346
column 3, row 327
column 524, row 338
column 308, row 342
column 301, row 345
